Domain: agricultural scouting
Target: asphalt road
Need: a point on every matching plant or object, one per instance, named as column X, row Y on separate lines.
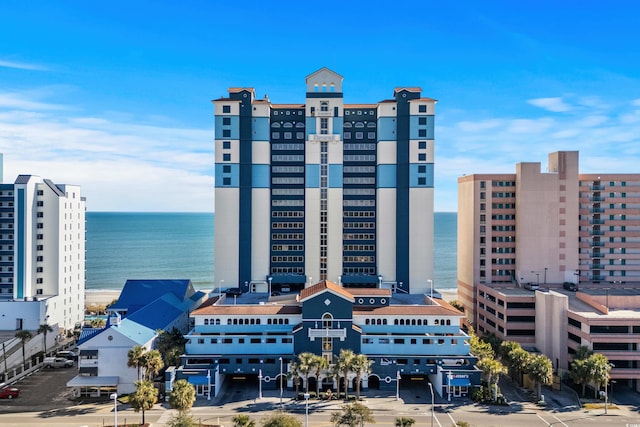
column 45, row 402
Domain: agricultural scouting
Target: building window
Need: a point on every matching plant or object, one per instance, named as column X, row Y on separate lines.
column 226, row 145
column 226, row 181
column 422, row 169
column 226, row 133
column 226, row 157
column 226, row 121
column 422, row 108
column 422, row 181
column 324, row 106
column 324, row 126
column 422, row 145
column 226, row 109
column 422, row 157
column 347, row 135
column 327, row 344
column 422, row 133
column 422, row 120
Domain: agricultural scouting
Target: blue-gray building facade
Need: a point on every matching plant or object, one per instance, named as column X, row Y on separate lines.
column 324, row 190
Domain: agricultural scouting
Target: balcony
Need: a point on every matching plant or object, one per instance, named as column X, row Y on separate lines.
column 597, row 233
column 323, row 138
column 328, row 333
column 596, row 199
column 596, row 222
column 596, row 210
column 596, row 187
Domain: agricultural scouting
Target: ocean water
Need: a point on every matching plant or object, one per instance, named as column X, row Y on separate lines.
column 123, row 246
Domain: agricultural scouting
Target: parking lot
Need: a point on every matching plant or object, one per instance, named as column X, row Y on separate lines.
column 44, row 390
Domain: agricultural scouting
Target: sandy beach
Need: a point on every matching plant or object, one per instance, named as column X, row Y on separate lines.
column 101, row 297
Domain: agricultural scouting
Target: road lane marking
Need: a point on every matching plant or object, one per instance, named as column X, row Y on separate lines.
column 560, row 420
column 543, row 420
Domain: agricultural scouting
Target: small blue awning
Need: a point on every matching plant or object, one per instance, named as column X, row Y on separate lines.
column 460, row 382
column 198, row 380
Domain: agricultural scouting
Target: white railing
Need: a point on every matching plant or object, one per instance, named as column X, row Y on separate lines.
column 328, row 333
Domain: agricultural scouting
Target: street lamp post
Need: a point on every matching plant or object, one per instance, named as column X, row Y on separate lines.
column 606, row 394
column 114, row 396
column 280, row 358
column 432, row 402
column 260, row 384
column 306, row 409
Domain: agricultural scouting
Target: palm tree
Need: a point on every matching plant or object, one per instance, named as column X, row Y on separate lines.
column 491, row 369
column 541, row 371
column 361, row 366
column 580, row 373
column 24, row 336
column 305, row 366
column 153, row 363
column 319, row 365
column 44, row 329
column 145, row 396
column 345, row 364
column 598, row 367
column 182, row 397
column 404, row 422
column 136, row 358
column 243, row 420
column 294, row 374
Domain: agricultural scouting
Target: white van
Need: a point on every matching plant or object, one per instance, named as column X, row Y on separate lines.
column 57, row 362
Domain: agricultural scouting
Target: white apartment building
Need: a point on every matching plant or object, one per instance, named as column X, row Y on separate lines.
column 42, row 254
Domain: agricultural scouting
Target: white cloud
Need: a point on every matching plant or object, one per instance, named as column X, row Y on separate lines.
column 120, row 166
column 21, row 65
column 20, row 102
column 556, row 105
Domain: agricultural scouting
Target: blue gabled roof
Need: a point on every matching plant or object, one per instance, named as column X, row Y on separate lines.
column 159, row 313
column 138, row 293
column 87, row 333
column 136, row 332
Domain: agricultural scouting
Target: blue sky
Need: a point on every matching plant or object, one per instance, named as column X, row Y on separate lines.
column 115, row 96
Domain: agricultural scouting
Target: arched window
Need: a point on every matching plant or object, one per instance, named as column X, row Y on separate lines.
column 419, row 322
column 217, row 321
column 324, row 106
column 413, row 322
column 206, row 321
column 395, row 321
column 402, row 321
column 327, row 320
column 384, row 321
column 448, row 322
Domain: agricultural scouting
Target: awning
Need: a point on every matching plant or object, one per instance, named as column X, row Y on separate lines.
column 460, row 382
column 84, row 381
column 198, row 380
column 88, row 370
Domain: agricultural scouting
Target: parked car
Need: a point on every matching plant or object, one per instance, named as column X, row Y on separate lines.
column 69, row 355
column 532, row 286
column 570, row 286
column 57, row 362
column 7, row 392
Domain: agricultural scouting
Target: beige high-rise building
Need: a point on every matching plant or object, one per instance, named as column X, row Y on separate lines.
column 556, row 232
